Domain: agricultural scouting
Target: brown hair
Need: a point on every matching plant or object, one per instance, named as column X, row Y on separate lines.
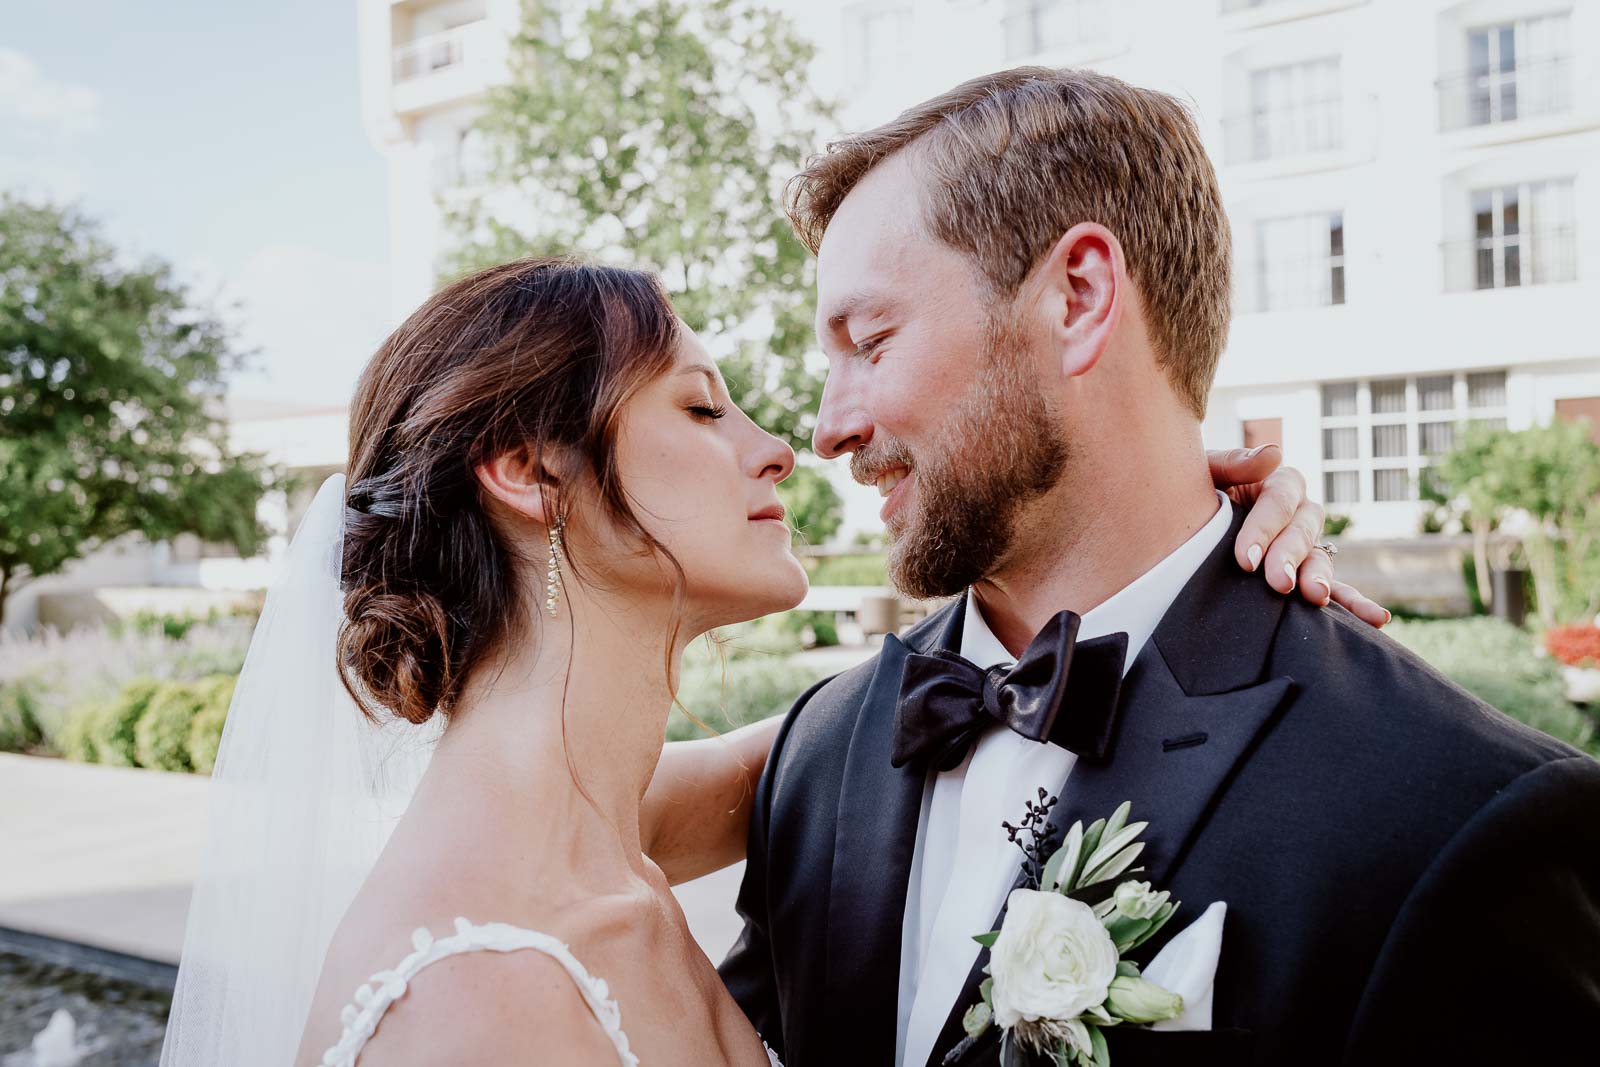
column 538, row 354
column 1020, row 157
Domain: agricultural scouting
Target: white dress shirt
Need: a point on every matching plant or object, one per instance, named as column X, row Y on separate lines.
column 962, row 808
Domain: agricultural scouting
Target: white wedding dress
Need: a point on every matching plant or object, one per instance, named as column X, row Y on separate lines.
column 374, row 999
column 304, row 796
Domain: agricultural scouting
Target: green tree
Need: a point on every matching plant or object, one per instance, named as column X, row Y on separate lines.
column 660, row 132
column 1551, row 475
column 111, row 381
column 1465, row 482
column 813, row 506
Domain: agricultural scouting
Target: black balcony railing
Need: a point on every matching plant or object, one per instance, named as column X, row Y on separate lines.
column 1510, row 261
column 1276, row 133
column 1536, row 87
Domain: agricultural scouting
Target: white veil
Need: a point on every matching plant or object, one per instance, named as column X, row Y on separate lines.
column 303, row 798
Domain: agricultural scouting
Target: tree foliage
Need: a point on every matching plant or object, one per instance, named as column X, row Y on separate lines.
column 813, row 506
column 111, row 381
column 659, row 133
column 1549, row 477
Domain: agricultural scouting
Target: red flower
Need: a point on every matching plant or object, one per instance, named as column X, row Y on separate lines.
column 1576, row 646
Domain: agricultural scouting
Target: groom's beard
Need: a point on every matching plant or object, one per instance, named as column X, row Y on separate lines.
column 1001, row 451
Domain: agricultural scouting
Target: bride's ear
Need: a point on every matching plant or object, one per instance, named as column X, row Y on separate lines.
column 523, row 483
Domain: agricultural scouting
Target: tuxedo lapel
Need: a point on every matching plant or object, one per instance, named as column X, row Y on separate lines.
column 1192, row 705
column 879, row 807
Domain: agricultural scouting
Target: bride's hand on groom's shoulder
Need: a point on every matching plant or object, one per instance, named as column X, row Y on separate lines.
column 1283, row 529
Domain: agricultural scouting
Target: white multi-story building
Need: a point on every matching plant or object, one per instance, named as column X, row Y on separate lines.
column 1414, row 187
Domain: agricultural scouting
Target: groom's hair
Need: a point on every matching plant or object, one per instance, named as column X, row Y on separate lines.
column 1016, row 159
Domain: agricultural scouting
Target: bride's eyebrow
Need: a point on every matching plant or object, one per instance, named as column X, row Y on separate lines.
column 713, row 379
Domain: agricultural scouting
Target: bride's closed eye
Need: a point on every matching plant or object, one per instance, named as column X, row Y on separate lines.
column 708, row 410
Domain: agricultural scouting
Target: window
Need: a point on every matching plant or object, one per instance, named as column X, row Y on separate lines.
column 1515, row 70
column 1035, row 26
column 1294, row 110
column 1300, row 262
column 1524, row 235
column 877, row 40
column 1379, row 435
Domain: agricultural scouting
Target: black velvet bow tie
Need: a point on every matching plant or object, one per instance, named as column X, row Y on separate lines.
column 1061, row 690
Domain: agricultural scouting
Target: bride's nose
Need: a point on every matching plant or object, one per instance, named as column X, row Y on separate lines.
column 771, row 456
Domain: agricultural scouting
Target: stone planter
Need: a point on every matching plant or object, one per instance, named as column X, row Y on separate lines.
column 1583, row 684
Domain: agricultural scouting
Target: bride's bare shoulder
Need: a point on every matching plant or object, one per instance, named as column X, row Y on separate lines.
column 489, row 1008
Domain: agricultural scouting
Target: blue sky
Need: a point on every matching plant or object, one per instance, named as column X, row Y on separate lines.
column 225, row 138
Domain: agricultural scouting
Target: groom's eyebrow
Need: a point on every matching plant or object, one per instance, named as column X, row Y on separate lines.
column 858, row 305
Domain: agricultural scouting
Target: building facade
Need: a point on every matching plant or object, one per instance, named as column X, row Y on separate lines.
column 1414, row 189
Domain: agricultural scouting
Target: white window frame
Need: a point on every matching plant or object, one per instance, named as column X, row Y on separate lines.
column 1535, row 264
column 1495, row 80
column 1090, row 18
column 1298, row 125
column 1366, row 465
column 1316, row 270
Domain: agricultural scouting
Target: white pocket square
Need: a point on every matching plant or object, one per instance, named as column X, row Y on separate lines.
column 1187, row 965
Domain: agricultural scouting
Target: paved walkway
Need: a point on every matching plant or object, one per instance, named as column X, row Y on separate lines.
column 105, row 856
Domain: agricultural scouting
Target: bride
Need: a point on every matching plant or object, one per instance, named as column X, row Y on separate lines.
column 443, row 782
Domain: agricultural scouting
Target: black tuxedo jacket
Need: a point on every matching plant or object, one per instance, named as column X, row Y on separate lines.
column 1411, row 876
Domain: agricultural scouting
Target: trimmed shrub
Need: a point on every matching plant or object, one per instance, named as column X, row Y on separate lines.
column 161, row 738
column 76, row 739
column 19, row 724
column 115, row 727
column 870, row 569
column 1499, row 664
column 205, row 733
column 743, row 691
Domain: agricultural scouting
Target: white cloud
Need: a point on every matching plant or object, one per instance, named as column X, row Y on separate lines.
column 315, row 317
column 29, row 98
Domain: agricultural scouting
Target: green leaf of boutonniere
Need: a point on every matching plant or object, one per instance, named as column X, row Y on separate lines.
column 986, row 991
column 1065, row 861
column 1091, row 841
column 1127, row 969
column 1097, row 1041
column 987, row 940
column 1113, row 846
column 1119, row 818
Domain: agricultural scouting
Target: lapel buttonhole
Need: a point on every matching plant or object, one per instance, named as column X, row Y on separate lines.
column 1172, row 744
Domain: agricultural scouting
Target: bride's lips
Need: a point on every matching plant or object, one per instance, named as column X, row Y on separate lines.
column 772, row 513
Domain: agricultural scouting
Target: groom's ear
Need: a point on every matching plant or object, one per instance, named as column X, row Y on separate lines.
column 1079, row 285
column 523, row 482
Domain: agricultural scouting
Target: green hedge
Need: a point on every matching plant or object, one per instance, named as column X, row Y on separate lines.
column 728, row 695
column 870, row 569
column 19, row 723
column 1501, row 665
column 115, row 725
column 169, row 726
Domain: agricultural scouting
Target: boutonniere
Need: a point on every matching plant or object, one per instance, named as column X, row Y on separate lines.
column 1057, row 978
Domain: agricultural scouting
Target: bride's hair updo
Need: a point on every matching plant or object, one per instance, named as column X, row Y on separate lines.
column 538, row 354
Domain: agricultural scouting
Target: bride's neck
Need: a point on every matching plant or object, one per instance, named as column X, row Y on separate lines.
column 567, row 725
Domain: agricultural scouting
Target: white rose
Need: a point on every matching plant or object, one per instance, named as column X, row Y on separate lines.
column 1137, row 900
column 1052, row 960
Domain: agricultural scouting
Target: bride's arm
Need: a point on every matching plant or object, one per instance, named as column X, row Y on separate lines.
column 696, row 812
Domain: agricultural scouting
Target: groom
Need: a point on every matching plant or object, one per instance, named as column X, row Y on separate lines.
column 1023, row 295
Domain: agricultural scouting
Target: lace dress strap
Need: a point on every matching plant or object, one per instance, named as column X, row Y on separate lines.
column 374, row 998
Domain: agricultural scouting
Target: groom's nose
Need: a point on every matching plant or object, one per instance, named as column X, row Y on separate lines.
column 842, row 422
